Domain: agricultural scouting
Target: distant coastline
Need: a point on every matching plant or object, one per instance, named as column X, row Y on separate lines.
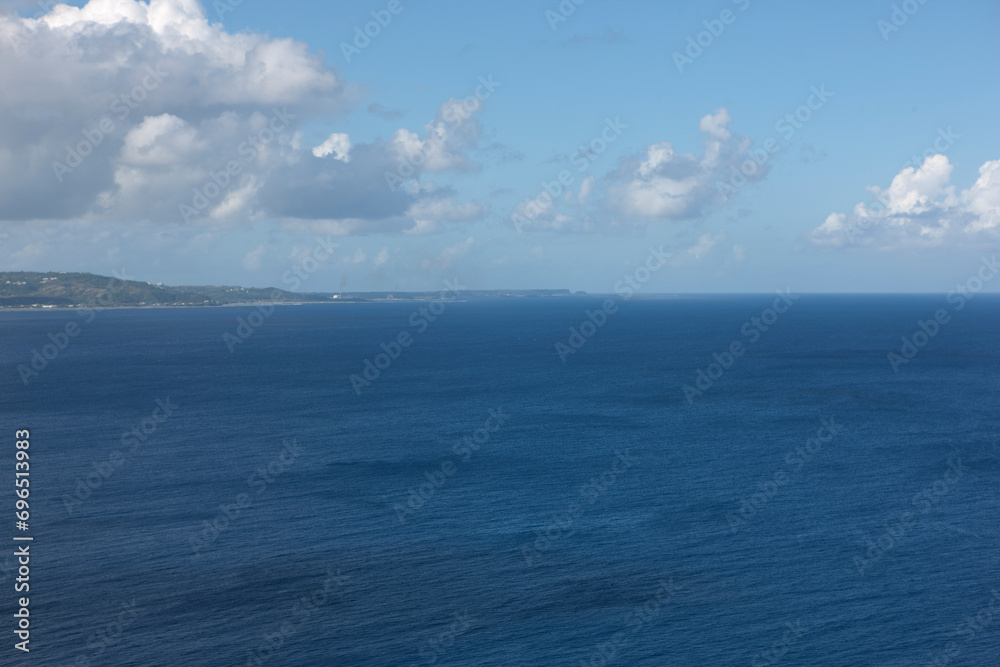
column 25, row 290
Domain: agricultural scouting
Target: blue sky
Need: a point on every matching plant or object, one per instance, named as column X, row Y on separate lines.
column 681, row 133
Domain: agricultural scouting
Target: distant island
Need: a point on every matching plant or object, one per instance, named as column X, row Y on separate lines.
column 26, row 289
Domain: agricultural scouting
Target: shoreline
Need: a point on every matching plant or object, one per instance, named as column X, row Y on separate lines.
column 6, row 309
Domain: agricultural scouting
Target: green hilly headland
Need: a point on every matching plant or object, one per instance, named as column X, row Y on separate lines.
column 25, row 289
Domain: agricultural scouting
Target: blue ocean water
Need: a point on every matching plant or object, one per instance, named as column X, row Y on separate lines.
column 482, row 502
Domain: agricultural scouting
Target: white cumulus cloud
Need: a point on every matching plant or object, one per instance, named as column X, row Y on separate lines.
column 338, row 145
column 155, row 115
column 447, row 139
column 662, row 184
column 921, row 208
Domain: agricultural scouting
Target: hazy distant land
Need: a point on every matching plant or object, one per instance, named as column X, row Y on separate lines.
column 24, row 289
